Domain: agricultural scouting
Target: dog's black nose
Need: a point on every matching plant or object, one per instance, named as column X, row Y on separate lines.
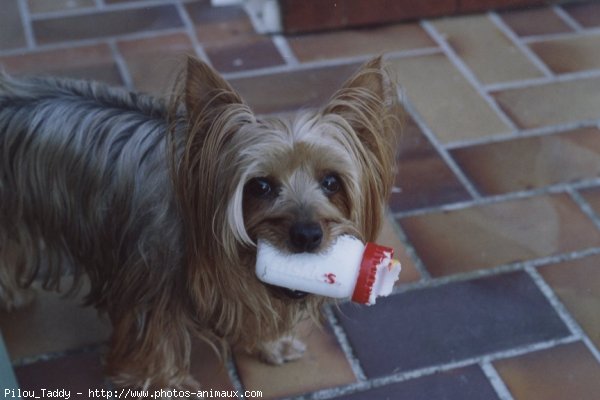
column 305, row 236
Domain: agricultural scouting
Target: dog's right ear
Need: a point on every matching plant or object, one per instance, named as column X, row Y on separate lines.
column 206, row 89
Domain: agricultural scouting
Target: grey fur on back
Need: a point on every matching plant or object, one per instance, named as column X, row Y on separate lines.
column 85, row 164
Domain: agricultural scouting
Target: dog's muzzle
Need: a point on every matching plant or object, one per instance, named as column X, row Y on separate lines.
column 282, row 292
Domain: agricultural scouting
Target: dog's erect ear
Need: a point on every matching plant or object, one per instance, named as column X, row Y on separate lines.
column 204, row 87
column 367, row 112
column 367, row 97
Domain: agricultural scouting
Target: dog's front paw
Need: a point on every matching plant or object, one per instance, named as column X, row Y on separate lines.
column 277, row 352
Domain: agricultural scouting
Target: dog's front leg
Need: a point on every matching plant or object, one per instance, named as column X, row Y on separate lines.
column 151, row 351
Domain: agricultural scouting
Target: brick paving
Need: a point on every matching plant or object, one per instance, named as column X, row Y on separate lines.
column 495, row 214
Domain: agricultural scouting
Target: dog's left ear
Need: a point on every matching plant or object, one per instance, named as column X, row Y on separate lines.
column 205, row 88
column 366, row 109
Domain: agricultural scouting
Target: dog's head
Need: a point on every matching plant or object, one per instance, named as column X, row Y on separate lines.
column 298, row 182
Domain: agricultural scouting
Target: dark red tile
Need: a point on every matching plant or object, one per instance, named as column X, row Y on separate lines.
column 107, row 23
column 253, row 53
column 289, row 91
column 423, row 178
column 449, row 323
column 484, row 5
column 586, row 13
column 467, row 383
column 77, row 373
column 535, row 21
column 304, row 16
column 83, row 62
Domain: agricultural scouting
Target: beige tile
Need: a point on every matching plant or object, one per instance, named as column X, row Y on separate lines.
column 572, row 54
column 155, row 63
column 551, row 104
column 322, row 366
column 51, row 324
column 576, row 285
column 450, row 106
column 358, row 42
column 499, row 233
column 564, row 372
column 486, row 50
column 529, row 163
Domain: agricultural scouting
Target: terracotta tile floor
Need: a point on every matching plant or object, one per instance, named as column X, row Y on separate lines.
column 495, row 214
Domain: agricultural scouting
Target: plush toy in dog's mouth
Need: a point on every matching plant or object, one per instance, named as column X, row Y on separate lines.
column 348, row 269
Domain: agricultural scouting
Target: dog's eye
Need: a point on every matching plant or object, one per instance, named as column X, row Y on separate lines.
column 331, row 184
column 259, row 187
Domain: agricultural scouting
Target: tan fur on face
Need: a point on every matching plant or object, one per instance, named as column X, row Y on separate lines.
column 227, row 146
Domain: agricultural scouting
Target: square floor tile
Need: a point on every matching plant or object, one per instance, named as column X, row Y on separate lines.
column 485, row 49
column 106, row 24
column 250, row 53
column 323, row 365
column 585, row 13
column 564, row 372
column 535, row 21
column 467, row 383
column 290, row 91
column 41, row 6
column 349, row 43
column 592, row 196
column 434, row 86
column 77, row 373
column 567, row 55
column 551, row 104
column 423, row 178
column 576, row 285
column 94, row 62
column 155, row 63
column 530, row 163
column 449, row 323
column 499, row 233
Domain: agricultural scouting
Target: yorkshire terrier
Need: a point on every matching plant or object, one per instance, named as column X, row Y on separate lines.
column 158, row 204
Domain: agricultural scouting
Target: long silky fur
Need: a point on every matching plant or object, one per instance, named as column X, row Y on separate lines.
column 146, row 199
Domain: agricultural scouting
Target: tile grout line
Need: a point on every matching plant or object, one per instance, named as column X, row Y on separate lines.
column 191, row 32
column 467, row 73
column 524, row 134
column 26, row 21
column 585, row 207
column 234, row 375
column 483, row 273
column 496, row 381
column 523, row 194
column 285, row 50
column 344, row 343
column 410, row 250
column 121, row 65
column 527, row 83
column 378, row 382
column 523, row 48
column 410, row 109
column 562, row 311
column 567, row 19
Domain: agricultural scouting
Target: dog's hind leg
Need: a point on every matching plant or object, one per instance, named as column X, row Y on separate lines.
column 12, row 294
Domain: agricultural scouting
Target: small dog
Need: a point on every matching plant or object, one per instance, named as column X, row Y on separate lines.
column 160, row 204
